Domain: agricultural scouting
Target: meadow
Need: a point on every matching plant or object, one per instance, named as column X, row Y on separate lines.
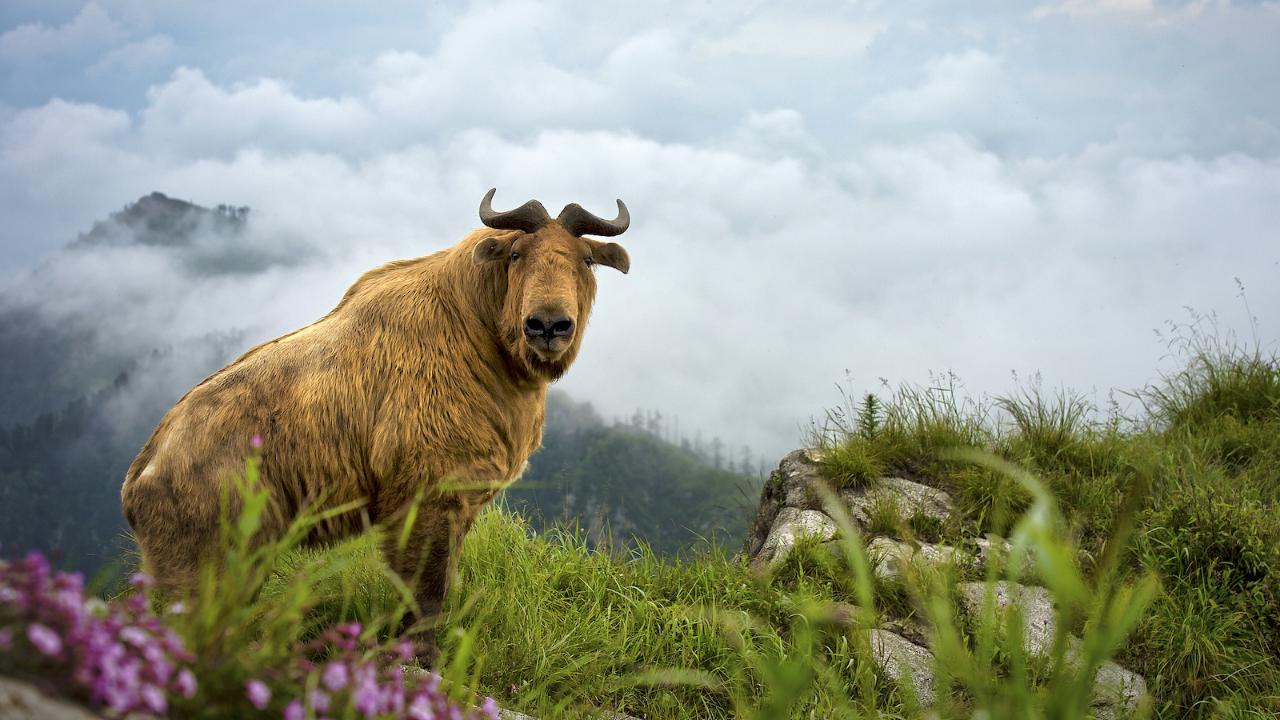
column 1156, row 531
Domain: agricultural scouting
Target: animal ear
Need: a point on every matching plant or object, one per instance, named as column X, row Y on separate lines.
column 490, row 249
column 611, row 254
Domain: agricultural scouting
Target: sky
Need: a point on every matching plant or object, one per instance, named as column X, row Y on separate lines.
column 822, row 194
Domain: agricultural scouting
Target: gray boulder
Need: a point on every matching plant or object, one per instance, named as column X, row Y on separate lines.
column 911, row 498
column 987, row 550
column 904, row 662
column 789, row 525
column 890, row 557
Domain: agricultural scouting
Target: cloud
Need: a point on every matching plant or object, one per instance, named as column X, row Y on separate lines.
column 1078, row 9
column 152, row 50
column 940, row 200
column 190, row 116
column 799, row 37
column 957, row 90
column 91, row 27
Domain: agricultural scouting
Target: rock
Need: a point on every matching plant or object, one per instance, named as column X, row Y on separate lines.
column 843, row 614
column 794, row 485
column 914, row 629
column 888, row 556
column 513, row 715
column 986, row 549
column 1038, row 619
column 904, row 661
column 911, row 498
column 1116, row 690
column 789, row 526
column 20, row 700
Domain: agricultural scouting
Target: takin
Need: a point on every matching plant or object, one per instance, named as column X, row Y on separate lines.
column 417, row 398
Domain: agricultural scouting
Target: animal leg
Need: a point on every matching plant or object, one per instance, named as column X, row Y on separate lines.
column 426, row 558
column 174, row 536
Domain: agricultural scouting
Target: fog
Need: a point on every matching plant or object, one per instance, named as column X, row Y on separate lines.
column 834, row 193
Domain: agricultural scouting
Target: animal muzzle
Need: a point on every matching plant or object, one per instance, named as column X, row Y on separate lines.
column 549, row 331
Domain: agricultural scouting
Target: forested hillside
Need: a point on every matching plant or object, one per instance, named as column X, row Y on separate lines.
column 623, row 481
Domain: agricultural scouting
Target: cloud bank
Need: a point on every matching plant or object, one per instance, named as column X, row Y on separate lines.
column 886, row 191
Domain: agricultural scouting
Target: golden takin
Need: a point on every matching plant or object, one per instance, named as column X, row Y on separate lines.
column 419, row 397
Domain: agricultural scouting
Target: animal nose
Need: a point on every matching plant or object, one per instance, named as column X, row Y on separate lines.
column 548, row 326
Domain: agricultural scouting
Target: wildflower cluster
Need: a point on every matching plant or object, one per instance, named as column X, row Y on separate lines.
column 118, row 655
column 357, row 678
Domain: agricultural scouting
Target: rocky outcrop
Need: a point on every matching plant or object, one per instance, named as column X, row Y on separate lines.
column 791, row 508
column 794, row 485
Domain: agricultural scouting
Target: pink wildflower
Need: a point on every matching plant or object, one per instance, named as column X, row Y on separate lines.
column 319, row 700
column 185, row 684
column 367, row 694
column 258, row 693
column 490, row 708
column 6, row 639
column 335, row 676
column 154, row 700
column 420, row 709
column 134, row 636
column 255, row 442
column 141, row 581
column 44, row 639
column 294, row 711
column 404, row 650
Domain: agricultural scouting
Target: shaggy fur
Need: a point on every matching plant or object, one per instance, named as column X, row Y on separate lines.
column 420, row 387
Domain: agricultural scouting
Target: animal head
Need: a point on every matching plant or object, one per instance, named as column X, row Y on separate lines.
column 550, row 277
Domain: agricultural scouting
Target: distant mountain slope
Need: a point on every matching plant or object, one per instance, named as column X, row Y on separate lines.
column 56, row 323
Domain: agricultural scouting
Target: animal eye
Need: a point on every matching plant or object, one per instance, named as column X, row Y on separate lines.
column 515, row 256
column 589, row 261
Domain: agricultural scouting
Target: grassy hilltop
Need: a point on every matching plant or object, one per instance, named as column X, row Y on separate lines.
column 1158, row 535
column 1182, row 503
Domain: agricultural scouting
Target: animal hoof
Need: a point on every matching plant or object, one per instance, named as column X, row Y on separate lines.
column 425, row 649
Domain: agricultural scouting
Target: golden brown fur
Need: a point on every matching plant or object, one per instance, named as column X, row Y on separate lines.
column 419, row 383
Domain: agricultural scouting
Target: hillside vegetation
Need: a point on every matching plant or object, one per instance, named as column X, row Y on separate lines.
column 624, row 483
column 1158, row 537
column 1196, row 476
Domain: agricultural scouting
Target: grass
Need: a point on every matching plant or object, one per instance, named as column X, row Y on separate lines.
column 1158, row 537
column 1203, row 461
column 555, row 629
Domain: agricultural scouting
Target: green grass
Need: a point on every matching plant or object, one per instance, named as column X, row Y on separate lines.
column 1204, row 462
column 1158, row 536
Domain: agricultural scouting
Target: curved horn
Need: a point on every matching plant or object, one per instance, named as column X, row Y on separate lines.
column 529, row 217
column 580, row 222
